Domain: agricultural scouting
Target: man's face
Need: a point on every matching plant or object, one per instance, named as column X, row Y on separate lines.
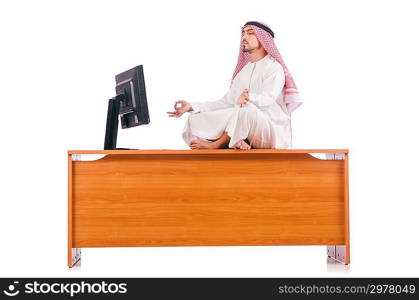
column 249, row 42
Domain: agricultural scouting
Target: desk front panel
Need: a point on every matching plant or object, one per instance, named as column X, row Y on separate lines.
column 208, row 200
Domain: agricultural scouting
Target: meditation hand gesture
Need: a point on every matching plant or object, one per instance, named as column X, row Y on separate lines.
column 180, row 110
column 244, row 98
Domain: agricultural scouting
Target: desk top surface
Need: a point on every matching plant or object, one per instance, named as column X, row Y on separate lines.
column 208, row 151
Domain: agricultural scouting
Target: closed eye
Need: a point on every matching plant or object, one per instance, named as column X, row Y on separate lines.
column 249, row 31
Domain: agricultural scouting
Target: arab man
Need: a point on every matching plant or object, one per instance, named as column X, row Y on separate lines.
column 256, row 110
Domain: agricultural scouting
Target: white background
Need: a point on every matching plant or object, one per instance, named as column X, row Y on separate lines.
column 355, row 63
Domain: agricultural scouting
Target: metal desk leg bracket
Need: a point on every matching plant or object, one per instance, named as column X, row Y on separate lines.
column 75, row 257
column 337, row 253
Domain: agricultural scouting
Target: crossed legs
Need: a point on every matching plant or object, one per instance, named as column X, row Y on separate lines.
column 221, row 143
column 247, row 126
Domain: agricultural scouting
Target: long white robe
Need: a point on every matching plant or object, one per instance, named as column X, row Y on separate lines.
column 264, row 120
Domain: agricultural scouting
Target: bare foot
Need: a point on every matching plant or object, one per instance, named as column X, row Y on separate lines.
column 200, row 144
column 241, row 145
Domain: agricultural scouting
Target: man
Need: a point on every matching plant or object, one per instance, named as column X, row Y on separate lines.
column 256, row 111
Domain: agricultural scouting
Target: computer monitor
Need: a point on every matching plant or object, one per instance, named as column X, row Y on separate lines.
column 130, row 104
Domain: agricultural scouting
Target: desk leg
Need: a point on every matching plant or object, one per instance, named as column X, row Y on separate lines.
column 75, row 257
column 339, row 253
column 73, row 254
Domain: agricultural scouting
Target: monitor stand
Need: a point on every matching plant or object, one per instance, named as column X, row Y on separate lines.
column 112, row 123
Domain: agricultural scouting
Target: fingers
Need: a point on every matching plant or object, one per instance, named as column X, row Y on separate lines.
column 178, row 110
column 182, row 102
column 244, row 97
column 173, row 114
column 243, row 102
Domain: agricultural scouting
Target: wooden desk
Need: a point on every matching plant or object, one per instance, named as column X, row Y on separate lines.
column 224, row 197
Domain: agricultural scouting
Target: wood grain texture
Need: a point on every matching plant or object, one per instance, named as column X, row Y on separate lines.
column 215, row 198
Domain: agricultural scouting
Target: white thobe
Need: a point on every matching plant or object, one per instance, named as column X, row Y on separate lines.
column 264, row 120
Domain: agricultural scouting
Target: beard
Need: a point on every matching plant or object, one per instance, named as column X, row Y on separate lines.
column 249, row 50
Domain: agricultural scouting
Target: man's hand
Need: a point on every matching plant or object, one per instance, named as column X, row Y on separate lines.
column 244, row 98
column 180, row 110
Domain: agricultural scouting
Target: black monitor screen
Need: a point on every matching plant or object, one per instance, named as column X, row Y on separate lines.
column 130, row 103
column 133, row 110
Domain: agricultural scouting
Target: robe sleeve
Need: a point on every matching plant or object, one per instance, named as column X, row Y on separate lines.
column 272, row 87
column 224, row 102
